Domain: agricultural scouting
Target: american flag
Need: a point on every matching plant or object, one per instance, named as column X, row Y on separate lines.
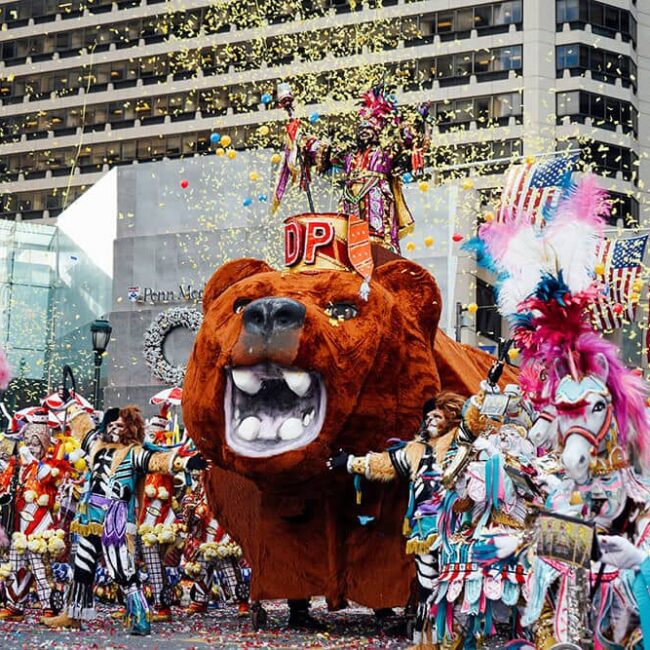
column 623, row 261
column 533, row 187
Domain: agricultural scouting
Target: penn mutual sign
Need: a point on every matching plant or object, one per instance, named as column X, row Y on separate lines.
column 154, row 296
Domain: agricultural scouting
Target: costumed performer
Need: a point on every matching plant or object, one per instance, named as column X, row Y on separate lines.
column 158, row 522
column 105, row 522
column 209, row 549
column 421, row 462
column 30, row 483
column 386, row 149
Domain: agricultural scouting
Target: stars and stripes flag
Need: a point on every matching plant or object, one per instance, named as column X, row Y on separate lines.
column 533, row 187
column 622, row 260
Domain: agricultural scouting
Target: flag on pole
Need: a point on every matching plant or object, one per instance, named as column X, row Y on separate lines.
column 533, row 187
column 622, row 260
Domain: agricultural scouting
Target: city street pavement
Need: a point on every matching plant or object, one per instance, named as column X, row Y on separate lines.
column 352, row 629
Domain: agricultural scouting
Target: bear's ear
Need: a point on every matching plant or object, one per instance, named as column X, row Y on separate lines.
column 415, row 289
column 229, row 274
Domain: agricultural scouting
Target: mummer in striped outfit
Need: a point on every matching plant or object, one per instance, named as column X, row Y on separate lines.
column 421, row 461
column 105, row 521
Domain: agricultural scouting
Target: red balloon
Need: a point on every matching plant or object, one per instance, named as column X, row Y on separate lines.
column 617, row 308
column 457, row 237
column 185, row 183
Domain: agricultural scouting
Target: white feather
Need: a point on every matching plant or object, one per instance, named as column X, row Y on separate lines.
column 524, row 261
column 574, row 245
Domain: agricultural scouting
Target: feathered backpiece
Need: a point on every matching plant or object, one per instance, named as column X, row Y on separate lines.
column 377, row 107
column 546, row 285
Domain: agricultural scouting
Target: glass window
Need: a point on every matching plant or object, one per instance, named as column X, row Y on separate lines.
column 507, row 13
column 611, row 18
column 462, row 65
column 444, row 66
column 464, row 20
column 567, row 56
column 482, row 109
column 483, row 61
column 567, row 103
column 596, row 14
column 624, row 19
column 483, row 16
column 508, row 58
column 597, row 107
column 567, row 11
column 444, row 22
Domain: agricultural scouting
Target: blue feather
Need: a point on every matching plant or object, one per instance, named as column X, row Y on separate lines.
column 551, row 287
column 483, row 257
column 364, row 520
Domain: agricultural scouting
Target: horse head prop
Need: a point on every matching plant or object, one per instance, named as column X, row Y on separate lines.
column 586, row 426
column 602, row 419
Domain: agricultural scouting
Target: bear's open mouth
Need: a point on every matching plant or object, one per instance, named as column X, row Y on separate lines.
column 271, row 409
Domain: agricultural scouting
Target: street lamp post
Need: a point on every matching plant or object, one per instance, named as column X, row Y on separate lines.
column 100, row 331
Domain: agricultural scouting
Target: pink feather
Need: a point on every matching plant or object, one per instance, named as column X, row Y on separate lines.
column 586, row 202
column 5, row 370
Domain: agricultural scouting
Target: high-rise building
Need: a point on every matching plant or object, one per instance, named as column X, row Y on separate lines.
column 89, row 84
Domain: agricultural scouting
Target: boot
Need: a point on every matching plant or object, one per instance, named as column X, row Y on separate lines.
column 138, row 614
column 161, row 614
column 62, row 621
column 196, row 608
column 10, row 613
column 301, row 619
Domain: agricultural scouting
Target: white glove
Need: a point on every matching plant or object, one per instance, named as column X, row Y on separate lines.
column 620, row 552
column 486, row 387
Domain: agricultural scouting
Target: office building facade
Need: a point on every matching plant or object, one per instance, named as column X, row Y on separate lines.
column 86, row 85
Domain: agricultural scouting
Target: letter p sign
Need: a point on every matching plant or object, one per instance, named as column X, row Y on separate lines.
column 319, row 233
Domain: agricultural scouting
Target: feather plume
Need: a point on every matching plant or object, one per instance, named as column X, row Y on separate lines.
column 483, row 258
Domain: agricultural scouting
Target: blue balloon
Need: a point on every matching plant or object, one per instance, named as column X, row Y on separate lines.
column 247, row 202
column 266, row 98
column 215, row 138
column 314, row 117
column 263, row 198
column 408, row 177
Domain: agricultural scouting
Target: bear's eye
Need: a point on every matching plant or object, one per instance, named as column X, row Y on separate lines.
column 239, row 305
column 342, row 310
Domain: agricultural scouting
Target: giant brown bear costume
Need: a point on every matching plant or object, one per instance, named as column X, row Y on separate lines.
column 371, row 365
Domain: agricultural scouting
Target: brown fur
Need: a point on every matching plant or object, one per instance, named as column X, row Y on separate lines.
column 298, row 522
column 380, row 467
column 133, row 425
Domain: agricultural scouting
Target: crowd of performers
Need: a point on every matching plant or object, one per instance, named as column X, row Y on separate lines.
column 111, row 511
column 529, row 508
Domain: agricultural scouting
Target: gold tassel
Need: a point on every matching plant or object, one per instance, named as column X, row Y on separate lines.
column 358, row 493
column 420, row 546
column 93, row 528
column 406, row 527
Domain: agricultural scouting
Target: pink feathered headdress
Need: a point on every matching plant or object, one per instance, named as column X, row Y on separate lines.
column 377, row 108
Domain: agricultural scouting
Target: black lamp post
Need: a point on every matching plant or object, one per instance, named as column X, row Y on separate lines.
column 100, row 331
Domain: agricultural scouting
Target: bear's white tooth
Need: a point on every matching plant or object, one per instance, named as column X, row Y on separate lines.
column 298, row 381
column 237, row 414
column 249, row 428
column 290, row 429
column 306, row 419
column 246, row 380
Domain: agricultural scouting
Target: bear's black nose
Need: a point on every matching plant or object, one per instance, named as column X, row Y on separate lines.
column 268, row 316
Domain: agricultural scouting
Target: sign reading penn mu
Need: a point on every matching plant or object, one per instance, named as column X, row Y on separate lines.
column 151, row 295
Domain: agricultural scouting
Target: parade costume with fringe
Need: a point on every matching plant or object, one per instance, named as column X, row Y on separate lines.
column 36, row 540
column 106, row 521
